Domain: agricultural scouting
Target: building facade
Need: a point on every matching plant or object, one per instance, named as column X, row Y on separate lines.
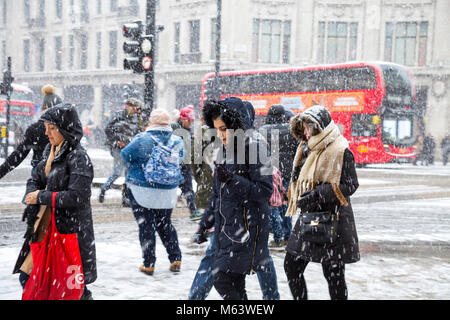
column 77, row 45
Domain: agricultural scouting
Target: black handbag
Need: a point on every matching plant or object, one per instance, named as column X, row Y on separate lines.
column 319, row 227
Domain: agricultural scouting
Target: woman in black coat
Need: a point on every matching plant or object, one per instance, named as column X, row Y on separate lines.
column 239, row 203
column 323, row 179
column 66, row 169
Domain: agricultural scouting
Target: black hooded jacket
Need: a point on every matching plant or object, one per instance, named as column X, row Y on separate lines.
column 34, row 139
column 287, row 145
column 70, row 176
column 239, row 209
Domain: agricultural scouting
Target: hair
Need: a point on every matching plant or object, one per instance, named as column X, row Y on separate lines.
column 48, row 89
column 214, row 109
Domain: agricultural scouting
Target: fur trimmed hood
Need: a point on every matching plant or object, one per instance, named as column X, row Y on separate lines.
column 316, row 114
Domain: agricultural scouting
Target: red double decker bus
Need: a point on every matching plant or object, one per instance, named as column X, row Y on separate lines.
column 21, row 109
column 373, row 103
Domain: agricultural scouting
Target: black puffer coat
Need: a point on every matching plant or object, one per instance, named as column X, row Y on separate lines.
column 239, row 209
column 71, row 176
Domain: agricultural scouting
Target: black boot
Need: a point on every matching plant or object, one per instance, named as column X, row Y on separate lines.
column 101, row 196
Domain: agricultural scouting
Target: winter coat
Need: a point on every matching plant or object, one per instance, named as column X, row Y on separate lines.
column 123, row 127
column 138, row 151
column 346, row 247
column 34, row 139
column 334, row 190
column 287, row 145
column 239, row 209
column 51, row 100
column 71, row 176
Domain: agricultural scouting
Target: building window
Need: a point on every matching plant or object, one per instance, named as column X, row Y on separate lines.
column 176, row 42
column 99, row 7
column 271, row 40
column 58, row 9
column 194, row 36
column 113, row 48
column 84, row 51
column 214, row 35
column 58, row 53
column 26, row 55
column 71, row 51
column 4, row 11
column 84, row 11
column 41, row 61
column 99, row 50
column 114, row 5
column 27, row 11
column 337, row 41
column 42, row 13
column 406, row 43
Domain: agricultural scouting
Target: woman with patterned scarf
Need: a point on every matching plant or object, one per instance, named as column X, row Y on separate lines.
column 323, row 178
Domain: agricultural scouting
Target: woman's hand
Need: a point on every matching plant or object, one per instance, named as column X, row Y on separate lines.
column 31, row 198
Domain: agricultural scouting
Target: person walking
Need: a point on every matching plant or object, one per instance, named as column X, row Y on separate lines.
column 66, row 169
column 34, row 137
column 445, row 146
column 152, row 201
column 238, row 206
column 119, row 132
column 183, row 128
column 203, row 280
column 282, row 152
column 323, row 179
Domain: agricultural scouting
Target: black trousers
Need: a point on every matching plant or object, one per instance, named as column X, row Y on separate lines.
column 230, row 286
column 334, row 273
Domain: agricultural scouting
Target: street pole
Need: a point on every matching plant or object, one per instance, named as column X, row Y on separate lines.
column 7, row 78
column 150, row 74
column 218, row 39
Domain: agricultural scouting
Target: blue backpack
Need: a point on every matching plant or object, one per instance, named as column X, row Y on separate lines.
column 163, row 166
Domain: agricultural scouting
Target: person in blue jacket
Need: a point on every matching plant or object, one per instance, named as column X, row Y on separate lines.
column 152, row 202
column 239, row 203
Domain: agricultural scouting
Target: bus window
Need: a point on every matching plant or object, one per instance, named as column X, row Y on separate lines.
column 19, row 96
column 363, row 125
column 398, row 131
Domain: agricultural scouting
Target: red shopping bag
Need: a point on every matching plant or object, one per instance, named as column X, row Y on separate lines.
column 57, row 271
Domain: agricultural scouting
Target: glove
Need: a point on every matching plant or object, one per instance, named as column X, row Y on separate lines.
column 200, row 236
column 30, row 215
column 223, row 174
column 307, row 200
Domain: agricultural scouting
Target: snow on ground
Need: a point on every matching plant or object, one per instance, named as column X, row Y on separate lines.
column 379, row 275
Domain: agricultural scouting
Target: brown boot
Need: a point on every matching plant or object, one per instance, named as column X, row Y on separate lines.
column 147, row 270
column 175, row 266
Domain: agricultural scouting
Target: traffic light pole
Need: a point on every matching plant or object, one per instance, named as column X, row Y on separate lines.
column 149, row 82
column 7, row 88
column 218, row 39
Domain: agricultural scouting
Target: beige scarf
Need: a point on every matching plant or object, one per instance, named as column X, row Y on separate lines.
column 322, row 165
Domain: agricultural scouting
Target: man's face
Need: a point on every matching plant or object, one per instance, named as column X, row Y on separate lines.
column 132, row 109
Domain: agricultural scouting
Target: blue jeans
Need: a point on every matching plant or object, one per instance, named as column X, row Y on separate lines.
column 280, row 225
column 204, row 279
column 149, row 222
column 187, row 191
column 118, row 168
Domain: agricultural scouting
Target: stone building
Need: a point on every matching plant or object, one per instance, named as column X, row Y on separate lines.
column 77, row 45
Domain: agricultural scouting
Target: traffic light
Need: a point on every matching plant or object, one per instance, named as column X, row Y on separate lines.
column 211, row 90
column 132, row 46
column 136, row 47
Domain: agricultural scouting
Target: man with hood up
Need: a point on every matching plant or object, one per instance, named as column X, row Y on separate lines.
column 238, row 206
column 66, row 169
